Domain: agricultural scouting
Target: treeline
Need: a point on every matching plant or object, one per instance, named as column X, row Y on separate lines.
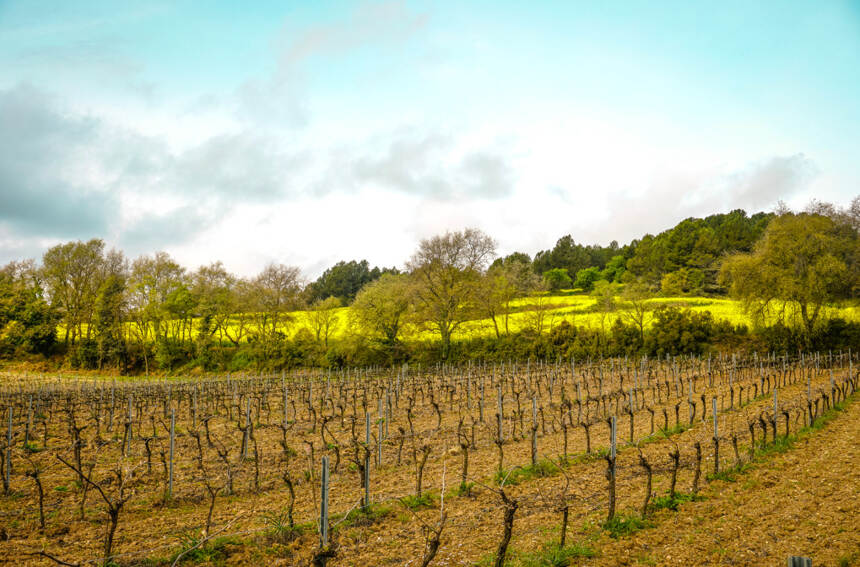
column 151, row 313
column 682, row 260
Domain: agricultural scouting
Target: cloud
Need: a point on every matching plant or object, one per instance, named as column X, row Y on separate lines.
column 235, row 167
column 72, row 176
column 281, row 98
column 429, row 166
column 156, row 231
column 383, row 23
column 763, row 184
column 673, row 197
column 46, row 179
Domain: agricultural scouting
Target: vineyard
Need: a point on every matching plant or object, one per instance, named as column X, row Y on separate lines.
column 531, row 463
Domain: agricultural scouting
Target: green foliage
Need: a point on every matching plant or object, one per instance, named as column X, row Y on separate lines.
column 615, row 269
column 696, row 244
column 574, row 257
column 677, row 331
column 193, row 549
column 586, row 278
column 685, row 281
column 805, row 261
column 553, row 555
column 832, row 334
column 541, row 469
column 27, row 323
column 370, row 514
column 344, row 280
column 84, row 354
column 426, row 500
column 556, row 279
column 624, row 524
column 672, row 501
column 278, row 528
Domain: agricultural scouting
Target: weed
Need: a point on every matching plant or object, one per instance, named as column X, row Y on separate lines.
column 366, row 516
column 553, row 555
column 278, row 527
column 672, row 501
column 624, row 524
column 194, row 549
column 413, row 502
column 541, row 469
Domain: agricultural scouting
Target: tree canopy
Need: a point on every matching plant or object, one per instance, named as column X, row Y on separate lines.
column 802, row 263
column 447, row 270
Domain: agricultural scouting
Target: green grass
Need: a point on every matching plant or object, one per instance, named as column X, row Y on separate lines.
column 426, row 500
column 672, row 501
column 549, row 555
column 366, row 516
column 192, row 552
column 541, row 469
column 278, row 527
column 624, row 524
column 553, row 555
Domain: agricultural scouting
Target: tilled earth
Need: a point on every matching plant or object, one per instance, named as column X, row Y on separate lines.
column 805, row 501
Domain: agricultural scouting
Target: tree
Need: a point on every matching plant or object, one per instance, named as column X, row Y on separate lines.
column 27, row 322
column 585, row 278
column 381, row 307
column 344, row 280
column 324, row 318
column 637, row 296
column 275, row 292
column 566, row 254
column 214, row 291
column 109, row 318
column 556, row 279
column 510, row 259
column 72, row 276
column 447, row 271
column 539, row 309
column 803, row 262
column 503, row 283
column 153, row 280
column 614, row 269
column 686, row 281
column 604, row 294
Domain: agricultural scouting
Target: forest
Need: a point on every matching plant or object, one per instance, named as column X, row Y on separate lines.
column 787, row 280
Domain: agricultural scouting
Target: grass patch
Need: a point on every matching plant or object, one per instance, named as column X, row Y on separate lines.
column 727, row 475
column 278, row 527
column 366, row 516
column 541, row 469
column 193, row 551
column 673, row 500
column 661, row 433
column 550, row 555
column 553, row 555
column 624, row 524
column 426, row 500
column 32, row 447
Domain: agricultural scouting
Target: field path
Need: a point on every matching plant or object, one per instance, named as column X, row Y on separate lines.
column 803, row 502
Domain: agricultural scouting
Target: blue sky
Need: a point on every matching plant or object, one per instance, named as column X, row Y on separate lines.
column 310, row 132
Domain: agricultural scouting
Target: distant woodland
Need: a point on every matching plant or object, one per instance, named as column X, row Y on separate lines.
column 85, row 306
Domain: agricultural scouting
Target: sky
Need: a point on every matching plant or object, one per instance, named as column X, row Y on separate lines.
column 306, row 133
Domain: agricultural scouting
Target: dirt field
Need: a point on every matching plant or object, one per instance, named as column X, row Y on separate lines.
column 802, row 501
